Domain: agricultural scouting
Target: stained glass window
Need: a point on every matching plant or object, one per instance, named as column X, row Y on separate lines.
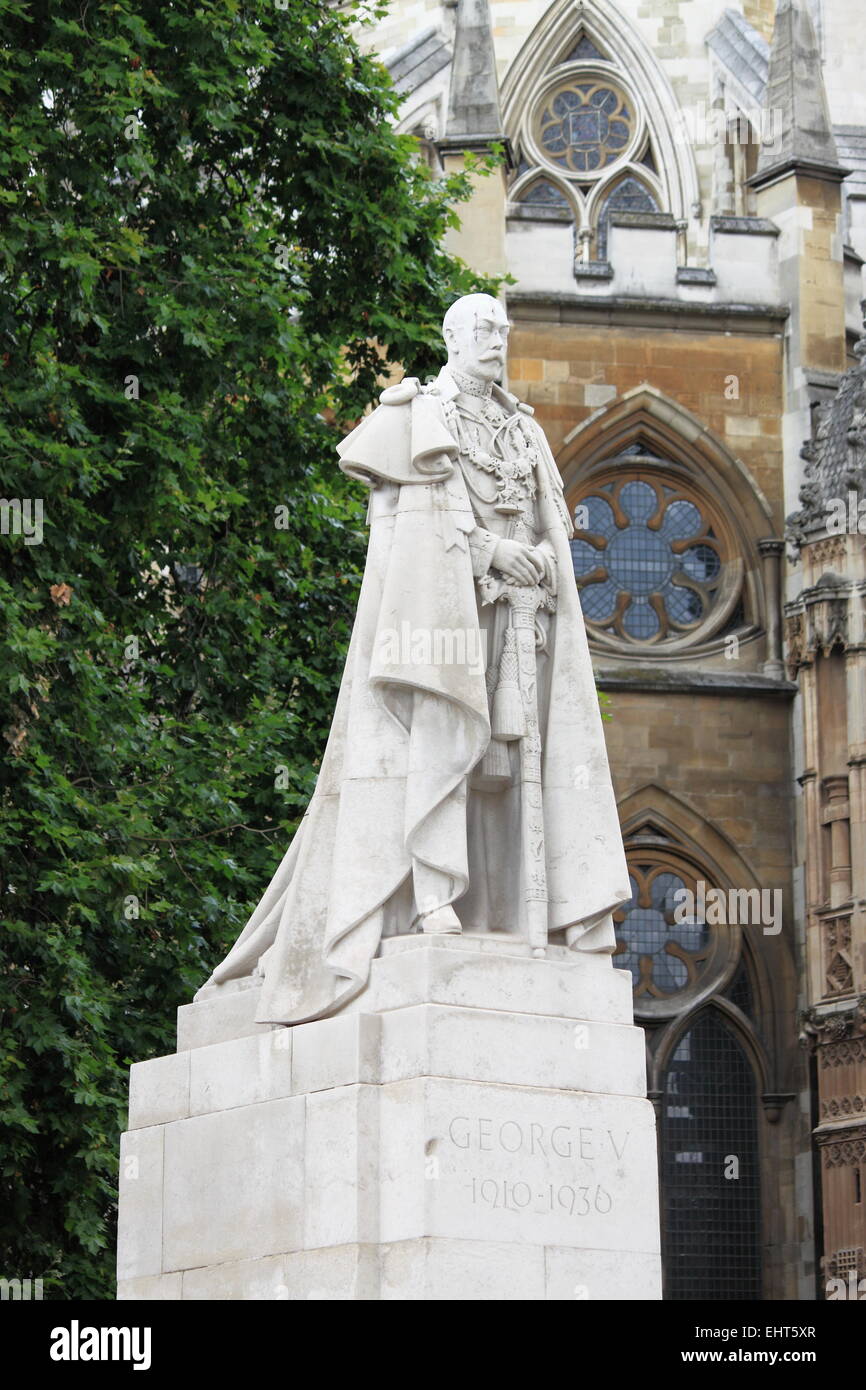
column 658, row 939
column 647, row 560
column 584, row 50
column 585, row 125
column 629, row 196
column 709, row 1168
column 543, row 193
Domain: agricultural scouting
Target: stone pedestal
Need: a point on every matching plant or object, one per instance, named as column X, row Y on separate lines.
column 473, row 1127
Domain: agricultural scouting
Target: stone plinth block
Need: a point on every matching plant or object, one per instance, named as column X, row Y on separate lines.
column 474, row 1126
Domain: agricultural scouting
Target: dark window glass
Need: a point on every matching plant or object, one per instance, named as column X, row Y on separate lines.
column 636, row 570
column 662, row 952
column 739, row 991
column 629, row 196
column 544, row 194
column 712, row 1222
column 584, row 51
column 736, row 620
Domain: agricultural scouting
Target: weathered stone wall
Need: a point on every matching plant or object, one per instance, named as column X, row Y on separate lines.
column 727, row 756
column 675, row 32
column 566, row 371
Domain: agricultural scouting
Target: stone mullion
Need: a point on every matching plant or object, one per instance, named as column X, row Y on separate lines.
column 835, row 814
column 771, row 551
column 812, row 846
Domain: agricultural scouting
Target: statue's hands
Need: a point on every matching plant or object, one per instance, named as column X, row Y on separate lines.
column 526, row 564
column 548, row 560
column 523, row 563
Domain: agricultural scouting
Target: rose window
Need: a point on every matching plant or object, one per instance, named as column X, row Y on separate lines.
column 675, row 956
column 663, row 954
column 647, row 560
column 585, row 125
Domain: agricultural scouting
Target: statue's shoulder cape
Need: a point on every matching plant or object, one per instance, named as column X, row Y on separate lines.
column 405, row 440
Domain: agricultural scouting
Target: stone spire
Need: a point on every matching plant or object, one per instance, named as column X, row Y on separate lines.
column 474, row 118
column 796, row 101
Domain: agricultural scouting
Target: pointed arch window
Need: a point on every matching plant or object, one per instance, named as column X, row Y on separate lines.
column 710, row 1168
column 630, row 195
column 586, row 133
column 584, row 50
column 541, row 197
column 702, row 995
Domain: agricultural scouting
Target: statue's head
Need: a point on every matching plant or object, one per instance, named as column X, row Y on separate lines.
column 475, row 330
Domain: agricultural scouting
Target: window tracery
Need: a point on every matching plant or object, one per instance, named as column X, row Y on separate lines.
column 586, row 147
column 653, row 560
column 677, row 953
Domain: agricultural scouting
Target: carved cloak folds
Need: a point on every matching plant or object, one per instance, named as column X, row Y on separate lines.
column 407, row 733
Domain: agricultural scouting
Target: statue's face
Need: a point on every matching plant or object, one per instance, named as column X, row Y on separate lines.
column 478, row 340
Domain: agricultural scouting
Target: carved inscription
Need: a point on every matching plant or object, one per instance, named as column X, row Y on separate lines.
column 549, row 1169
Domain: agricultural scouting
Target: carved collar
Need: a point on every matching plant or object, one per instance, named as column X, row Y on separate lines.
column 470, row 385
column 447, row 386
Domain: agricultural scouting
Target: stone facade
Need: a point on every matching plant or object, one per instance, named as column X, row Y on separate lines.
column 688, row 335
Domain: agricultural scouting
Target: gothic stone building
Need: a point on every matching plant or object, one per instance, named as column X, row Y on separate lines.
column 683, row 218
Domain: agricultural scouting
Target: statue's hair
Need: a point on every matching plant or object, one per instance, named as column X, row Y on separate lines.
column 468, row 303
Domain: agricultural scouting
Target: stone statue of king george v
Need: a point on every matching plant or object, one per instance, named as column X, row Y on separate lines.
column 465, row 785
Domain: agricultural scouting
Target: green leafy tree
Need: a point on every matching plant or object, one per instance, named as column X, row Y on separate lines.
column 210, row 239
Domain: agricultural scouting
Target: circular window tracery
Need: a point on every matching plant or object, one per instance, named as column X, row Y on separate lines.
column 648, row 560
column 664, row 947
column 676, row 957
column 585, row 125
